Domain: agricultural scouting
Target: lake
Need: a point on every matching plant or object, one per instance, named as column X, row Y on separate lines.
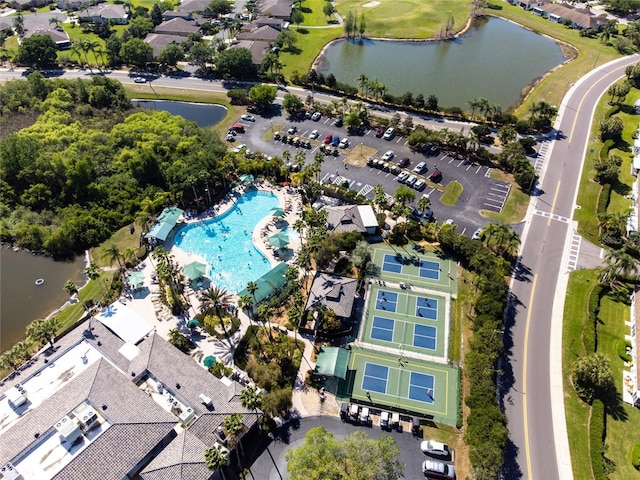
column 21, row 300
column 205, row 115
column 496, row 60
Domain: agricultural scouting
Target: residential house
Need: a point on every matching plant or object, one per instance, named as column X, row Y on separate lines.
column 257, row 48
column 169, row 14
column 631, row 377
column 58, row 35
column 266, row 33
column 276, row 9
column 580, row 18
column 178, row 26
column 351, row 218
column 194, row 6
column 113, row 389
column 273, row 22
column 531, row 4
column 159, row 41
column 76, row 4
column 333, row 292
column 105, row 13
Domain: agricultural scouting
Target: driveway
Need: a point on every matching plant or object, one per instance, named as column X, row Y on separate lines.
column 271, row 465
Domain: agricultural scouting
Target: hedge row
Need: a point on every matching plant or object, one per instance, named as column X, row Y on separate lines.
column 589, row 333
column 606, row 147
column 603, row 199
column 596, row 439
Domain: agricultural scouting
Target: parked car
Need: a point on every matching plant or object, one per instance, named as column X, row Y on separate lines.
column 370, row 161
column 379, row 133
column 296, row 141
column 404, row 163
column 276, row 136
column 316, row 116
column 419, row 168
column 292, row 130
column 477, row 235
column 239, row 148
column 385, row 417
column 140, row 80
column 435, row 449
column 440, row 470
column 385, row 167
column 402, row 177
column 389, row 133
column 436, row 176
column 411, row 180
column 237, row 127
column 328, row 138
column 335, row 141
column 395, row 169
column 395, row 421
column 338, row 122
column 420, row 185
column 344, row 143
column 230, row 137
column 314, row 134
column 284, row 139
column 252, row 109
column 388, row 155
column 248, row 118
column 307, row 144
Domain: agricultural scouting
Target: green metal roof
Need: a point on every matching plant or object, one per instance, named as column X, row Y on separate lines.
column 165, row 222
column 272, row 280
column 332, row 361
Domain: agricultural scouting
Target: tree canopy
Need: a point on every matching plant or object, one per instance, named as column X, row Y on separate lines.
column 235, row 63
column 37, row 51
column 358, row 457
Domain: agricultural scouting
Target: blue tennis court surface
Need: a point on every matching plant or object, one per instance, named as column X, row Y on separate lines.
column 392, row 263
column 375, row 378
column 427, row 308
column 429, row 269
column 382, row 329
column 387, row 301
column 421, row 387
column 424, row 336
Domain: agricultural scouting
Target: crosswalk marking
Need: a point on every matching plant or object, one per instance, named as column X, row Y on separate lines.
column 552, row 216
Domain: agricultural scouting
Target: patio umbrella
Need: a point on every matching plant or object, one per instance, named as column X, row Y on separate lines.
column 194, row 270
column 209, row 361
column 246, row 178
column 279, row 240
column 193, row 323
column 277, row 212
column 135, row 279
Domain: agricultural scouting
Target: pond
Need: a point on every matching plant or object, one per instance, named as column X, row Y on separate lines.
column 205, row 115
column 496, row 60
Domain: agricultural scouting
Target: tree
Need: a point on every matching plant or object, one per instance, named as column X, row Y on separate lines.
column 136, row 52
column 93, row 272
column 323, row 456
column 362, row 26
column 507, row 134
column 18, row 24
column 233, row 425
column 424, row 203
column 328, row 10
column 70, row 288
column 251, row 398
column 252, row 288
column 38, row 51
column 215, row 458
column 618, row 265
column 593, row 378
column 611, row 128
column 171, row 54
column 291, row 102
column 297, row 17
column 607, row 169
column 404, row 195
column 287, row 39
column 212, row 300
column 156, row 15
column 217, row 8
column 201, row 54
column 349, row 23
column 113, row 44
column 262, row 96
column 432, row 103
column 43, row 331
column 113, row 254
column 235, row 63
column 178, row 340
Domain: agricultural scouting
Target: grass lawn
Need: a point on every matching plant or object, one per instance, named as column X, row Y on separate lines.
column 589, row 189
column 406, row 18
column 313, row 16
column 624, row 418
column 123, row 239
column 310, row 42
column 553, row 88
column 76, row 35
column 514, row 209
column 452, row 193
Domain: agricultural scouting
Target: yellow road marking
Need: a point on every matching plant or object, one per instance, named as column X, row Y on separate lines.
column 553, row 204
column 524, row 378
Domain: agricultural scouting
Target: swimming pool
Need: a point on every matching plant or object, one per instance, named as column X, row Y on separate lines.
column 225, row 243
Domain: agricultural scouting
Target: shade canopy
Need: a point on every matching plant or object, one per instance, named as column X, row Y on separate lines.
column 164, row 224
column 279, row 240
column 277, row 211
column 209, row 361
column 194, row 270
column 135, row 279
column 193, row 323
column 332, row 361
column 246, row 178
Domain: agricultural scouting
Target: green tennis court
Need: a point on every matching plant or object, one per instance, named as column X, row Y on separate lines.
column 408, row 267
column 406, row 319
column 406, row 384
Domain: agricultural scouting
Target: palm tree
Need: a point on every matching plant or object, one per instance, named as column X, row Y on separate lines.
column 291, row 274
column 424, row 203
column 76, row 50
column 619, row 264
column 70, row 288
column 379, row 198
column 93, row 272
column 245, row 302
column 43, row 331
column 252, row 288
column 363, row 84
column 251, row 398
column 212, row 300
column 233, row 425
column 215, row 458
column 113, row 254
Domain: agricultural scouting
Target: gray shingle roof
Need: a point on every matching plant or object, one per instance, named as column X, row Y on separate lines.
column 344, row 218
column 334, row 292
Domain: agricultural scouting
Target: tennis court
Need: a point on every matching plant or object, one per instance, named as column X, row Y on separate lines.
column 405, row 319
column 415, row 386
column 426, row 270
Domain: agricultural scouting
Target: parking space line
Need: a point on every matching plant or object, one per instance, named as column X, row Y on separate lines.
column 450, row 161
column 488, row 173
column 479, row 168
column 461, row 162
column 366, row 189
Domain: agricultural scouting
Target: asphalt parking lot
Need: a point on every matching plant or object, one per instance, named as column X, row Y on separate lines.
column 480, row 191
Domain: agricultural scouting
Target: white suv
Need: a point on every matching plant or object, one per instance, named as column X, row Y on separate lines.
column 388, row 155
column 389, row 134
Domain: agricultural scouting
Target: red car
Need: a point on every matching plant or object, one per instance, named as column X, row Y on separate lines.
column 328, row 138
column 237, row 127
column 379, row 132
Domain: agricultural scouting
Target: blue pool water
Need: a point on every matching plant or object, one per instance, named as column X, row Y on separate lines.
column 225, row 243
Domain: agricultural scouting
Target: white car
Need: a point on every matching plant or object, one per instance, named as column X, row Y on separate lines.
column 421, row 167
column 477, row 234
column 316, row 116
column 442, row 470
column 388, row 155
column 248, row 118
column 420, row 185
column 344, row 143
column 411, row 180
column 389, row 133
column 435, row 449
column 402, row 177
column 314, row 134
column 239, row 148
column 140, row 80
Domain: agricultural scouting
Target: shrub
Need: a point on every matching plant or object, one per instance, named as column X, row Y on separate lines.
column 621, row 348
column 604, row 150
column 635, row 456
column 603, row 199
column 220, row 370
column 596, row 439
column 589, row 333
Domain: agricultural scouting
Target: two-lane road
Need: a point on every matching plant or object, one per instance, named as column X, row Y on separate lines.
column 533, row 395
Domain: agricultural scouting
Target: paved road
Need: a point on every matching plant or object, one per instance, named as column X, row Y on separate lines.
column 532, row 385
